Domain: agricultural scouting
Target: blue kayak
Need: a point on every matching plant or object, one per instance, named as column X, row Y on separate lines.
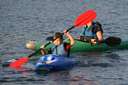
column 54, row 63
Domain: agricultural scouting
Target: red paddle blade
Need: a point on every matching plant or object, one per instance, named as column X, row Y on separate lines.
column 85, row 18
column 19, row 62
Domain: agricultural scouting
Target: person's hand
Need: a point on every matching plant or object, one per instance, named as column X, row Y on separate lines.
column 65, row 32
column 43, row 52
column 93, row 41
column 81, row 38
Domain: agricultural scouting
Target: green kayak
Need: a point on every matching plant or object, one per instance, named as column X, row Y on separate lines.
column 81, row 46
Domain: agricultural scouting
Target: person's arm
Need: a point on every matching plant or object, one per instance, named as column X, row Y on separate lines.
column 67, row 34
column 99, row 32
column 44, row 51
column 99, row 35
column 67, row 48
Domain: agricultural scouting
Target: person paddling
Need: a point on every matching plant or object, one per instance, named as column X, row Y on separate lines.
column 59, row 46
column 92, row 32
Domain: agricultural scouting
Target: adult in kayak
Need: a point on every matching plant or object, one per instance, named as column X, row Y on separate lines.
column 92, row 33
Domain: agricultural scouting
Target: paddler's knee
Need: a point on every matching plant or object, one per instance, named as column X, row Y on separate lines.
column 43, row 52
column 30, row 45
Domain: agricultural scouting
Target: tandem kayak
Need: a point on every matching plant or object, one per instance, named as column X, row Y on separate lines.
column 54, row 63
column 82, row 46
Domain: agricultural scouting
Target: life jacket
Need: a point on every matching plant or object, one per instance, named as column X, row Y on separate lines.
column 58, row 50
column 63, row 49
column 90, row 31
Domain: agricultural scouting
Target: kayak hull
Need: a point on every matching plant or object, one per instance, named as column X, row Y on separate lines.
column 57, row 64
column 81, row 46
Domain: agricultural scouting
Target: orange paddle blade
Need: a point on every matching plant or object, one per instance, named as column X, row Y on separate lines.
column 84, row 18
column 19, row 62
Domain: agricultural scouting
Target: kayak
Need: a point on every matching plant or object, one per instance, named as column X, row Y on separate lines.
column 52, row 63
column 82, row 46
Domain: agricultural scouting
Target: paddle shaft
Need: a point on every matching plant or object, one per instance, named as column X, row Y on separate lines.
column 70, row 28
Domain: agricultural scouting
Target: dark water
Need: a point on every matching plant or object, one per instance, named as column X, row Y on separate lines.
column 23, row 20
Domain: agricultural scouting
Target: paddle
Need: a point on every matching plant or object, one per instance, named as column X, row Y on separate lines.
column 81, row 20
column 18, row 62
column 110, row 41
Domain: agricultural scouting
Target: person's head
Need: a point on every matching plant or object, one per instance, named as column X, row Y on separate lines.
column 58, row 38
column 90, row 17
column 89, row 23
column 30, row 45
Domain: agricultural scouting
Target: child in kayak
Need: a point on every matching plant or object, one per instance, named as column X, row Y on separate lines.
column 92, row 33
column 59, row 47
